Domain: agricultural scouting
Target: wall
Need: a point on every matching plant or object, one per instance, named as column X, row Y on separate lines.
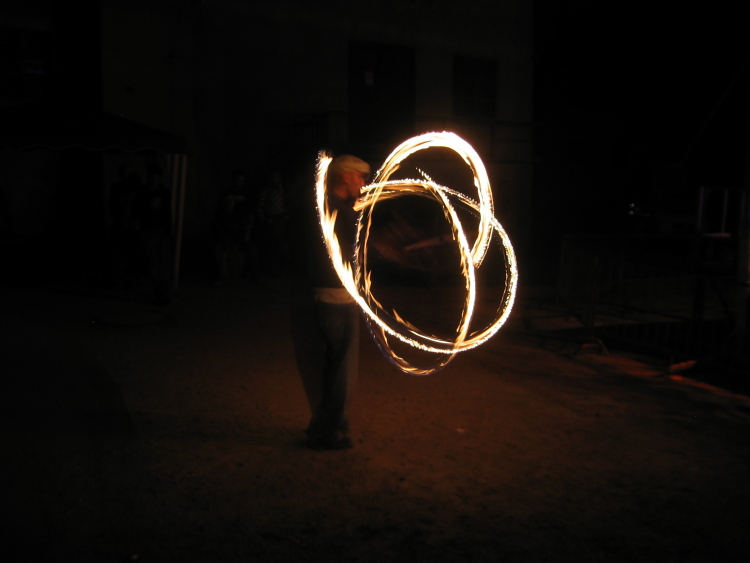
column 249, row 82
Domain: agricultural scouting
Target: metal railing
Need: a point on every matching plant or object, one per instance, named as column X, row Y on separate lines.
column 653, row 293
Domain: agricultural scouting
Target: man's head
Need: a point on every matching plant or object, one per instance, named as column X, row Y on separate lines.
column 347, row 175
column 239, row 178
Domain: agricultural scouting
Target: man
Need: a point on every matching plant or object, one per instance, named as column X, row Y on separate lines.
column 272, row 217
column 233, row 226
column 155, row 229
column 325, row 319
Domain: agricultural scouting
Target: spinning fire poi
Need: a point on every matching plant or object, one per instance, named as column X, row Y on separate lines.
column 356, row 275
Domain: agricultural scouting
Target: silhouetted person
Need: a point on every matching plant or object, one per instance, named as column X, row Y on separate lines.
column 233, row 229
column 272, row 217
column 325, row 318
column 155, row 233
column 123, row 243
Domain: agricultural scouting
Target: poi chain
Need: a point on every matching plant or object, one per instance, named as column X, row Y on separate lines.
column 356, row 276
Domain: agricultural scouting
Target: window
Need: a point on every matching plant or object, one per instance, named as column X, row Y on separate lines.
column 381, row 92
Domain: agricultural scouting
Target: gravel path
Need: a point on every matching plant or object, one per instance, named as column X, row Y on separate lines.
column 166, row 434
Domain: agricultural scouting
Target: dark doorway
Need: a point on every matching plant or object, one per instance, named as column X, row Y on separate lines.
column 381, row 92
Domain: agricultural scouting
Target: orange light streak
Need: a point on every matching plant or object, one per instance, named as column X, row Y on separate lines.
column 356, row 277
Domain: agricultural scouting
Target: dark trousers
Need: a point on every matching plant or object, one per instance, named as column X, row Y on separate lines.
column 326, row 343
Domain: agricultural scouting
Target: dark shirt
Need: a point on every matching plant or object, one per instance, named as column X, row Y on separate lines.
column 311, row 264
column 154, row 210
column 234, row 215
column 123, row 198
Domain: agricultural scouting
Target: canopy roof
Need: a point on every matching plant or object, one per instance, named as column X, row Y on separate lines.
column 44, row 126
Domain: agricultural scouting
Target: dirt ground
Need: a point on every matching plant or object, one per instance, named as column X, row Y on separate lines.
column 160, row 434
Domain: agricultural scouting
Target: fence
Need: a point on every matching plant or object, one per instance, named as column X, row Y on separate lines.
column 659, row 294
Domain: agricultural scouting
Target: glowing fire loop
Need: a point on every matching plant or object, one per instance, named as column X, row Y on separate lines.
column 355, row 276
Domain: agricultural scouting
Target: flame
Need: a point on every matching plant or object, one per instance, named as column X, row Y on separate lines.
column 355, row 276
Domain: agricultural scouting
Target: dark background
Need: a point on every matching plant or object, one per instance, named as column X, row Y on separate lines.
column 635, row 106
